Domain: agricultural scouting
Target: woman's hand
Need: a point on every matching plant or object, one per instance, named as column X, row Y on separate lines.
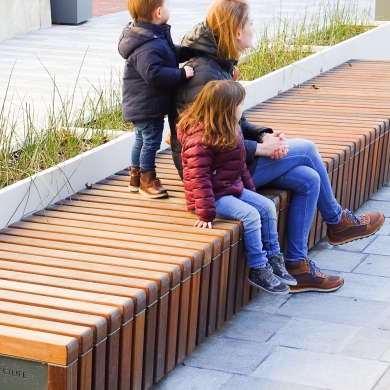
column 201, row 224
column 274, row 146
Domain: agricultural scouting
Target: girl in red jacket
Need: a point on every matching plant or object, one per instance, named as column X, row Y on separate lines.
column 218, row 184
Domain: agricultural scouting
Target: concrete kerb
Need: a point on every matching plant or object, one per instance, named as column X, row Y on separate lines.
column 54, row 184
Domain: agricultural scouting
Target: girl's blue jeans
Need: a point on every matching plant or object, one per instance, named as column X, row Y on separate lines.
column 258, row 216
column 148, row 137
column 303, row 172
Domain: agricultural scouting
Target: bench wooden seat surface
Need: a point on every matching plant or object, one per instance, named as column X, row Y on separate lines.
column 111, row 314
column 83, row 334
column 138, row 296
column 97, row 324
column 60, row 352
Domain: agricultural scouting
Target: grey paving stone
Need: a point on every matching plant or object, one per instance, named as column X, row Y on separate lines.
column 382, row 194
column 385, row 357
column 380, row 246
column 384, row 382
column 333, row 259
column 254, row 326
column 385, row 229
column 314, row 335
column 241, row 382
column 363, row 286
column 375, row 205
column 267, row 303
column 333, row 308
column 369, row 343
column 357, row 245
column 229, row 355
column 192, row 378
column 321, row 369
column 375, row 265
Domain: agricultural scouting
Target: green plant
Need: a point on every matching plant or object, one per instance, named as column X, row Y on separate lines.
column 28, row 146
column 284, row 42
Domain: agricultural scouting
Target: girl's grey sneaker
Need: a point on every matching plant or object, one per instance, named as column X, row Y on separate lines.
column 278, row 265
column 265, row 279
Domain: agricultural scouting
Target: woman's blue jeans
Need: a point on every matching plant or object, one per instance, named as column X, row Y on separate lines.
column 148, row 137
column 258, row 216
column 303, row 172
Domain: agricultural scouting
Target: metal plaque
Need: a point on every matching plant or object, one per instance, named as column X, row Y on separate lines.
column 18, row 374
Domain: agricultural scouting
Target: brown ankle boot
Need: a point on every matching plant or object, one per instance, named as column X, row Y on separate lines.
column 150, row 186
column 310, row 278
column 134, row 180
column 353, row 226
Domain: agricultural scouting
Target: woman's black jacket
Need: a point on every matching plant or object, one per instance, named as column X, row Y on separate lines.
column 207, row 66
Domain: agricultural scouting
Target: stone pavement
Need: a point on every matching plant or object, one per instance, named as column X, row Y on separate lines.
column 307, row 341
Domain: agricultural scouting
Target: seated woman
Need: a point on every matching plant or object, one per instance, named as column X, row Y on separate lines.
column 271, row 159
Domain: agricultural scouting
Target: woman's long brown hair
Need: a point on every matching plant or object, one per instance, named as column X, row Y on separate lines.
column 224, row 18
column 215, row 110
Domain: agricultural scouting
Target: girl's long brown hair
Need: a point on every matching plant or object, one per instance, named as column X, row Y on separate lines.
column 224, row 18
column 215, row 110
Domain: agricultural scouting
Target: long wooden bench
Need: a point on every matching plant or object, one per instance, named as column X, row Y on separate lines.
column 32, row 359
column 105, row 250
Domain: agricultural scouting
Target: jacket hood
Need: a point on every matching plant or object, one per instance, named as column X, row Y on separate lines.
column 200, row 39
column 134, row 35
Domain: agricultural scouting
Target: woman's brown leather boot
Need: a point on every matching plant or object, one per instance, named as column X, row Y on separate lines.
column 150, row 186
column 134, row 180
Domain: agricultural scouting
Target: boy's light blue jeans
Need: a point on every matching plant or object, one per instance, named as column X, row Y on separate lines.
column 303, row 172
column 148, row 137
column 258, row 216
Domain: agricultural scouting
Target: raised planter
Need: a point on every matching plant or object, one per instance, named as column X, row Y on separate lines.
column 56, row 183
column 371, row 45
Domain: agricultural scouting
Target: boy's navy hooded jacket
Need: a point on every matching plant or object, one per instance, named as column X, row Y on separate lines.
column 151, row 70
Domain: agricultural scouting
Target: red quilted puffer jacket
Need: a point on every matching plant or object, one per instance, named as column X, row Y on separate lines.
column 210, row 173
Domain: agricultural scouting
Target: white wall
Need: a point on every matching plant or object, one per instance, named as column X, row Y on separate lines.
column 21, row 16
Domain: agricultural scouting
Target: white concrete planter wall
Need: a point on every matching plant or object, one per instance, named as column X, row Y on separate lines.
column 57, row 183
column 21, row 16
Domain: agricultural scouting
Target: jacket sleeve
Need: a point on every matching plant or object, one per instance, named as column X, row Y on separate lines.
column 251, row 134
column 199, row 161
column 252, row 131
column 184, row 54
column 247, row 179
column 149, row 64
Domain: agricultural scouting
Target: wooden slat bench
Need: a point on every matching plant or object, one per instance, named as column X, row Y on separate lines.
column 105, row 246
column 112, row 316
column 22, row 353
column 83, row 334
column 76, row 286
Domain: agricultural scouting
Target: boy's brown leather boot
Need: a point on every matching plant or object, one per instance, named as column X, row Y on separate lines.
column 150, row 186
column 310, row 278
column 134, row 180
column 353, row 226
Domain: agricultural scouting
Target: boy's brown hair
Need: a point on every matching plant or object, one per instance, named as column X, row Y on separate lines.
column 224, row 18
column 141, row 10
column 215, row 110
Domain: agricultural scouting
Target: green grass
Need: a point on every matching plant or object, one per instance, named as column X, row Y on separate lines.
column 26, row 150
column 330, row 23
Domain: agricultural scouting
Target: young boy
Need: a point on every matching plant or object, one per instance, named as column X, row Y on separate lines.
column 150, row 75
